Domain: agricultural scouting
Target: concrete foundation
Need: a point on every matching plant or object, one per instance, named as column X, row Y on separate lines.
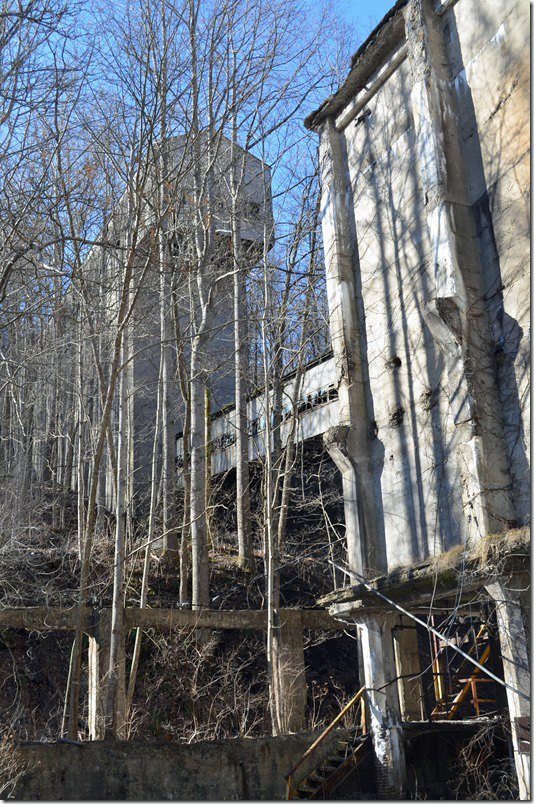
column 225, row 770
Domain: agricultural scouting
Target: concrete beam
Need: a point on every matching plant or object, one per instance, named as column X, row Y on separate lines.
column 58, row 619
column 363, row 97
column 365, row 64
column 246, row 620
column 42, row 618
column 97, row 624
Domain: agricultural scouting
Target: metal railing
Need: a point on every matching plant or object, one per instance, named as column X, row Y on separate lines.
column 470, row 686
column 313, row 747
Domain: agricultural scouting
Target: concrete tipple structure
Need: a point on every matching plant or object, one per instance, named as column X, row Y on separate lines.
column 424, row 154
column 316, row 411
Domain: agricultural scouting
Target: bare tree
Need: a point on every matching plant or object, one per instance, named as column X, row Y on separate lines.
column 30, row 32
column 137, row 220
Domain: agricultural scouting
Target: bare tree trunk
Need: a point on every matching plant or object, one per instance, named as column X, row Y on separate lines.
column 244, row 529
column 199, row 542
column 204, row 245
column 80, row 490
column 185, row 557
column 115, row 685
column 270, row 551
column 243, row 516
column 207, row 465
column 299, row 373
column 170, row 539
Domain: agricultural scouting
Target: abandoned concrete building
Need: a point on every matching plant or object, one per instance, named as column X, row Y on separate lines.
column 254, row 209
column 423, row 406
column 424, row 156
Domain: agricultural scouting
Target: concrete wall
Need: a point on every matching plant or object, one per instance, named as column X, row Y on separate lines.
column 489, row 48
column 226, row 770
column 103, row 272
column 425, row 166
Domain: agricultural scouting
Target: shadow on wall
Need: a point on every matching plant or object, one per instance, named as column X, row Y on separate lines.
column 417, row 488
column 512, row 364
column 405, row 367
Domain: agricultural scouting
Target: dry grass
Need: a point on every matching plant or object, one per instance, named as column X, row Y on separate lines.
column 495, row 544
column 445, row 561
column 490, row 547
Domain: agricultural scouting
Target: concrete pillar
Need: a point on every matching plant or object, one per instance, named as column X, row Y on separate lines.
column 408, row 668
column 457, row 315
column 384, row 712
column 516, row 666
column 293, row 671
column 335, row 443
column 348, row 444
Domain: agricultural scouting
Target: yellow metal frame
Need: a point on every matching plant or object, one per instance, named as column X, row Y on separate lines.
column 309, row 751
column 469, row 683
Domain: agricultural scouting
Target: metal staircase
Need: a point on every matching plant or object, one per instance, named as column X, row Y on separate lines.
column 328, row 774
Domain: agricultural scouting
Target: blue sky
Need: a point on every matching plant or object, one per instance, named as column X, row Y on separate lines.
column 364, row 14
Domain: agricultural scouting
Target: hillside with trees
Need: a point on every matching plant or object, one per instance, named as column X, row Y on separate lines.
column 143, row 286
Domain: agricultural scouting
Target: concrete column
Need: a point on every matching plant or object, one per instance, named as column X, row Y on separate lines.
column 348, row 444
column 516, row 666
column 335, row 443
column 293, row 671
column 384, row 712
column 457, row 315
column 408, row 668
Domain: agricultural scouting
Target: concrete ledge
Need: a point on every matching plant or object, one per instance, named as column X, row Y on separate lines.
column 417, row 584
column 42, row 618
column 223, row 770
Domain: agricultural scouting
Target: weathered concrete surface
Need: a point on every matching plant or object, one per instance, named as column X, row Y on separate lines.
column 224, row 770
column 384, row 707
column 516, row 666
column 42, row 618
column 424, row 157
